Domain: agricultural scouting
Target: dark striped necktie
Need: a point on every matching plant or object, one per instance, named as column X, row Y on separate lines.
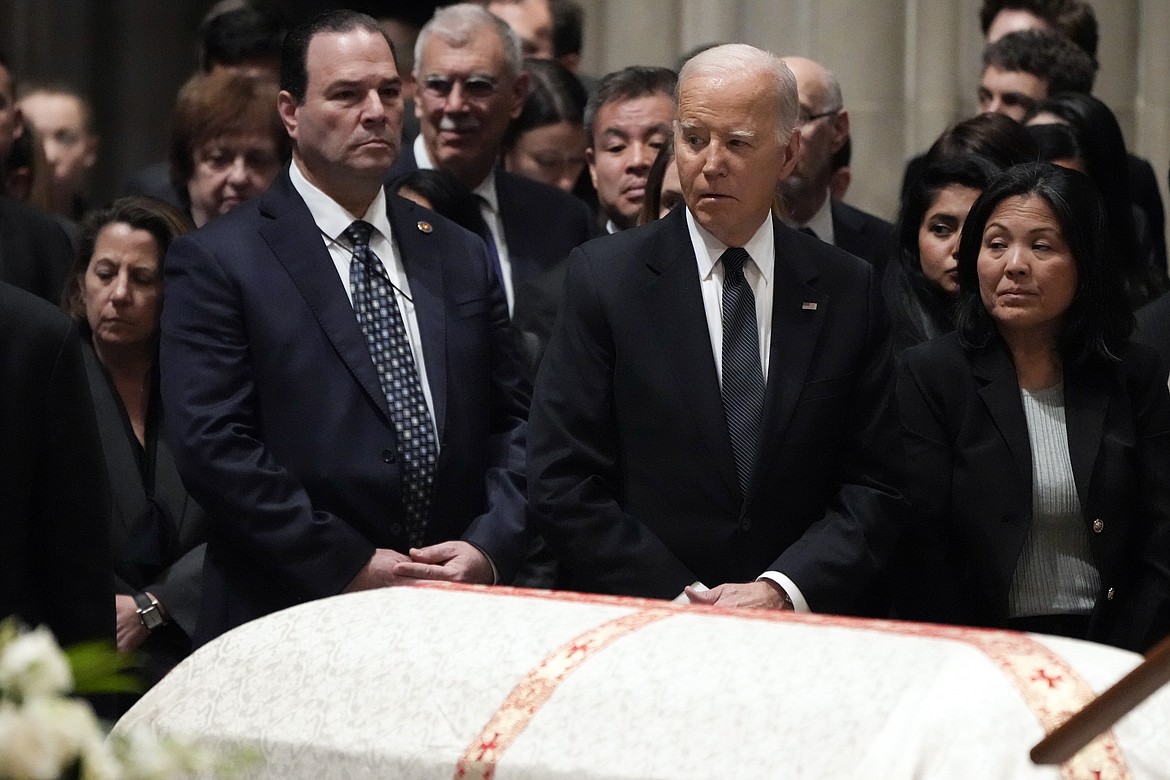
column 743, row 379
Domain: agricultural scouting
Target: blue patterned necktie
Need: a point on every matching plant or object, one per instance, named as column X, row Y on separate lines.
column 743, row 379
column 377, row 313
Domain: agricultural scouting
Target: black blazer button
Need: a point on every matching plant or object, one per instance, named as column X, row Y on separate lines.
column 1109, row 594
column 387, row 456
column 1098, row 526
column 745, row 524
column 396, row 529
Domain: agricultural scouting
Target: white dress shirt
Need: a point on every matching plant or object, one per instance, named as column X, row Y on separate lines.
column 332, row 220
column 760, row 276
column 489, row 208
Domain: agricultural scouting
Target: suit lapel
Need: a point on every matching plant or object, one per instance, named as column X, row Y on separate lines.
column 797, row 314
column 675, row 304
column 417, row 248
column 296, row 242
column 1086, row 401
column 1000, row 391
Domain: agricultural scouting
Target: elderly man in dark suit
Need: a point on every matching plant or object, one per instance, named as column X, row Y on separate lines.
column 340, row 383
column 55, row 565
column 470, row 86
column 805, row 197
column 715, row 407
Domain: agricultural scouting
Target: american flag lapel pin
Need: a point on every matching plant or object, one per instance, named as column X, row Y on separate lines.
column 809, row 306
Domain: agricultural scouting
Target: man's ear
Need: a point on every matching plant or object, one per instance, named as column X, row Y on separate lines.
column 840, row 130
column 591, row 162
column 791, row 150
column 286, row 106
column 519, row 94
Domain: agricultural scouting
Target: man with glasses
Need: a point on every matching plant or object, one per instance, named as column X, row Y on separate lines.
column 804, row 196
column 470, row 85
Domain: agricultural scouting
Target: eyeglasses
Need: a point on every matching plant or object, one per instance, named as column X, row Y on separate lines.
column 804, row 117
column 474, row 87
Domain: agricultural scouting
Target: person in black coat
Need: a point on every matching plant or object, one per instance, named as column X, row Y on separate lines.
column 1037, row 433
column 157, row 532
column 54, row 537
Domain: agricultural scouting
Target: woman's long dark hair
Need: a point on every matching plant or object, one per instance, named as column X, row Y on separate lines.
column 1098, row 321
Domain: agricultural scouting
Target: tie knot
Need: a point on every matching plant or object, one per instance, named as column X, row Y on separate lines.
column 734, row 260
column 359, row 232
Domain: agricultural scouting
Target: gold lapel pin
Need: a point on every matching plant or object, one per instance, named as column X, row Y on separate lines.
column 424, row 226
column 809, row 305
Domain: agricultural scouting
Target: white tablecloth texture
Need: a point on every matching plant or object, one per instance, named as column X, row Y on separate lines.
column 466, row 682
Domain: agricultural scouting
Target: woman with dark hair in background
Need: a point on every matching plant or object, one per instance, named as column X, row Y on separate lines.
column 921, row 285
column 114, row 292
column 227, row 142
column 663, row 190
column 1100, row 152
column 1038, row 434
column 547, row 141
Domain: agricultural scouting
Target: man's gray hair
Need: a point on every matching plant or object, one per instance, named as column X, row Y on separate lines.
column 734, row 60
column 459, row 24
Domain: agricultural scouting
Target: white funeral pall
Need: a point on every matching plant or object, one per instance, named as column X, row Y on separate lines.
column 464, row 682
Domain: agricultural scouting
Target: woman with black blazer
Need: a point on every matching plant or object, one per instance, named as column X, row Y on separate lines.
column 1037, row 435
column 157, row 532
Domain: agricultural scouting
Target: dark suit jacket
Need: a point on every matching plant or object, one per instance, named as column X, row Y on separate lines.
column 35, row 252
column 971, row 488
column 863, row 235
column 54, row 528
column 178, row 582
column 630, row 464
column 542, row 224
column 1153, row 327
column 280, row 428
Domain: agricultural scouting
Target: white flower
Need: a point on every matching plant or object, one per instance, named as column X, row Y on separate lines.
column 32, row 665
column 44, row 737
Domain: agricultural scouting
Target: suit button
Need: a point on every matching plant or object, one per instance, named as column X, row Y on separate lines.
column 1109, row 594
column 1098, row 526
column 387, row 456
column 745, row 524
column 396, row 529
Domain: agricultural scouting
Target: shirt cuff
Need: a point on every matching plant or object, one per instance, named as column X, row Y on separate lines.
column 799, row 603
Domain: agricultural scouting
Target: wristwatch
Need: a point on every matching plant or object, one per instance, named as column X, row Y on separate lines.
column 149, row 611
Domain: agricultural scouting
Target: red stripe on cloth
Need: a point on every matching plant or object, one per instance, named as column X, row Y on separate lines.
column 1050, row 687
column 480, row 758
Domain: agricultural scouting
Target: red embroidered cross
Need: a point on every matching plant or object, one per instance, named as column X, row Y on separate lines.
column 484, row 747
column 1042, row 676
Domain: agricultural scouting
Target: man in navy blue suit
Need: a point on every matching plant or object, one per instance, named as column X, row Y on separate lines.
column 342, row 391
column 471, row 83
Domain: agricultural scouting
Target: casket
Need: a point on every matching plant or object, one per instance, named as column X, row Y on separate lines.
column 443, row 681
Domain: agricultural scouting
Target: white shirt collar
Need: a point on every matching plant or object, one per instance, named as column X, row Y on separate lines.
column 331, row 217
column 708, row 249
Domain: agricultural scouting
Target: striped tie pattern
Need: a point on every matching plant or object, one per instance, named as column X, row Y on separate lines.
column 743, row 379
column 377, row 313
